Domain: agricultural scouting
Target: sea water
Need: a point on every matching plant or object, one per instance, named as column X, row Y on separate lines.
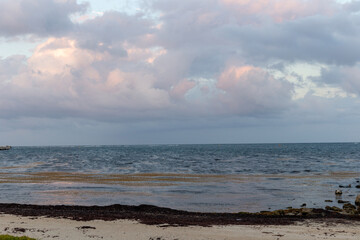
column 207, row 178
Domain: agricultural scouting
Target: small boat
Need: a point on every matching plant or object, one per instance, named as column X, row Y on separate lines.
column 5, row 148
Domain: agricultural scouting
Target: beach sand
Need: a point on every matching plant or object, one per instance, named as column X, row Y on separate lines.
column 56, row 228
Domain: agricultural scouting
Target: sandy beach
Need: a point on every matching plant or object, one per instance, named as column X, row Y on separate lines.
column 155, row 223
column 52, row 228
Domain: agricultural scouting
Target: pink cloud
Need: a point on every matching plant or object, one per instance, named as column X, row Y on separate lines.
column 279, row 10
column 249, row 89
column 117, row 63
column 180, row 89
column 60, row 76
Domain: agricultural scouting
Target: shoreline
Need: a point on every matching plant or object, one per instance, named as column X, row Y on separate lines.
column 146, row 222
column 153, row 215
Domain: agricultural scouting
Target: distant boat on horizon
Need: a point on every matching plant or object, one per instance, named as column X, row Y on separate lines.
column 5, row 148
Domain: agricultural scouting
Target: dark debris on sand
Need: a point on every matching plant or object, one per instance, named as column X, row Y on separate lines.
column 153, row 215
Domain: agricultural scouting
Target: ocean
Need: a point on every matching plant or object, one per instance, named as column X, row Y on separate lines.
column 205, row 178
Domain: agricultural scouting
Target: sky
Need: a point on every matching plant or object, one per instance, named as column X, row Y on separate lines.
column 79, row 72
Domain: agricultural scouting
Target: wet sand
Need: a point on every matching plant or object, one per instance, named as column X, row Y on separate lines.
column 194, row 192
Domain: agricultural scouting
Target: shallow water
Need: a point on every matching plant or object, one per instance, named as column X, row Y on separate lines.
column 230, row 178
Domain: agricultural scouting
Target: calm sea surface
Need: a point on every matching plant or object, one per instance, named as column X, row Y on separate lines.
column 221, row 178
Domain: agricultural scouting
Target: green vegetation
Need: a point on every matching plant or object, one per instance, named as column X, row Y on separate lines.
column 8, row 237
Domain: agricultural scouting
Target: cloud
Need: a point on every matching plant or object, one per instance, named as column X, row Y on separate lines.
column 352, row 6
column 109, row 31
column 178, row 91
column 248, row 11
column 61, row 79
column 345, row 77
column 262, row 31
column 188, row 59
column 11, row 66
column 40, row 17
column 250, row 90
column 316, row 39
